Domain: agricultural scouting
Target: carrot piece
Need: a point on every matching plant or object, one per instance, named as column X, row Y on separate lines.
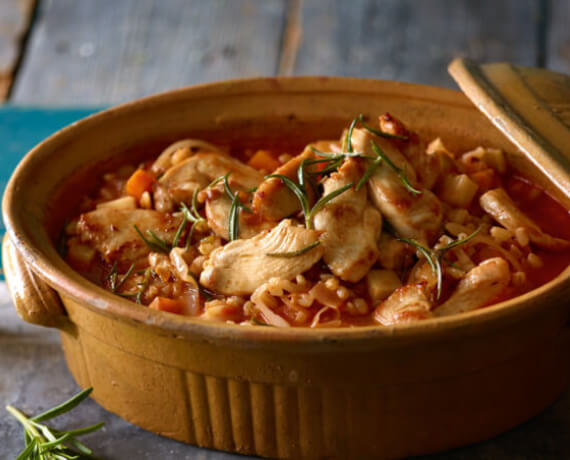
column 262, row 159
column 170, row 305
column 140, row 182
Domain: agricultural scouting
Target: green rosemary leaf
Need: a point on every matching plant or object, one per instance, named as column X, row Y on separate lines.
column 349, row 136
column 112, row 277
column 215, row 182
column 406, row 182
column 189, row 237
column 26, row 453
column 332, row 167
column 368, row 173
column 233, row 226
column 44, row 442
column 153, row 246
column 55, row 443
column 179, row 231
column 86, row 430
column 297, row 253
column 124, row 278
column 456, row 243
column 324, row 200
column 195, row 205
column 401, row 173
column 378, row 132
column 433, row 261
column 63, row 407
column 80, row 447
column 336, row 156
column 159, row 241
column 189, row 215
column 227, row 186
column 296, row 189
column 260, row 323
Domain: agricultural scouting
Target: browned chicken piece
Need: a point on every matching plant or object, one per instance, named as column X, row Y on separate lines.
column 241, row 266
column 351, row 226
column 412, row 216
column 427, row 167
column 406, row 304
column 217, row 215
column 201, row 169
column 393, row 254
column 180, row 150
column 111, row 231
column 481, row 286
column 273, row 200
column 501, row 207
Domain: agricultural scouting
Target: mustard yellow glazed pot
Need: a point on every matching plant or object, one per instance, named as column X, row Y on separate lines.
column 382, row 392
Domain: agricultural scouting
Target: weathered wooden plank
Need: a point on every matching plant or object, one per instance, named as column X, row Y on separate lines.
column 411, row 40
column 15, row 16
column 558, row 43
column 108, row 51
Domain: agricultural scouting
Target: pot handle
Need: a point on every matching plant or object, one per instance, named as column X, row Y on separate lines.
column 36, row 302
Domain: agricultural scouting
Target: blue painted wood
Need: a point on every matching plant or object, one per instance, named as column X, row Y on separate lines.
column 23, row 128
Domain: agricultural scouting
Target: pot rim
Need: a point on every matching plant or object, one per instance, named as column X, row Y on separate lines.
column 66, row 281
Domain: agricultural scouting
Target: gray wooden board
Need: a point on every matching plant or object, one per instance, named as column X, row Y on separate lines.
column 558, row 37
column 413, row 40
column 109, row 51
column 33, row 377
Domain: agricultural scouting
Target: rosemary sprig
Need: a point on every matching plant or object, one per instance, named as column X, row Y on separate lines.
column 301, row 195
column 401, row 172
column 112, row 277
column 456, row 243
column 378, row 132
column 297, row 253
column 46, row 443
column 153, row 242
column 178, row 233
column 368, row 173
column 432, row 259
column 348, row 140
column 233, row 219
column 123, row 279
column 435, row 257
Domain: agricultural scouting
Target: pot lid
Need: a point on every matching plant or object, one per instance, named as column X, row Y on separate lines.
column 530, row 106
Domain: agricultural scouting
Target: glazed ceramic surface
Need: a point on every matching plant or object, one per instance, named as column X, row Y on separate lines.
column 381, row 392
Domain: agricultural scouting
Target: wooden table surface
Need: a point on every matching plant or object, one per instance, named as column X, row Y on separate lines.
column 80, row 53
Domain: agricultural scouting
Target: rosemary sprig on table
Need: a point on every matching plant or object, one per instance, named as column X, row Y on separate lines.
column 435, row 257
column 46, row 443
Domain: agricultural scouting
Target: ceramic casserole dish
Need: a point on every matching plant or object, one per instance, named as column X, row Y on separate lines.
column 381, row 392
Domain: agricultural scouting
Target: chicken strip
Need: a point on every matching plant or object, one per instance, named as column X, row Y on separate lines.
column 351, row 226
column 239, row 267
column 501, row 207
column 273, row 200
column 481, row 286
column 111, row 231
column 406, row 304
column 412, row 216
column 201, row 169
column 427, row 167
